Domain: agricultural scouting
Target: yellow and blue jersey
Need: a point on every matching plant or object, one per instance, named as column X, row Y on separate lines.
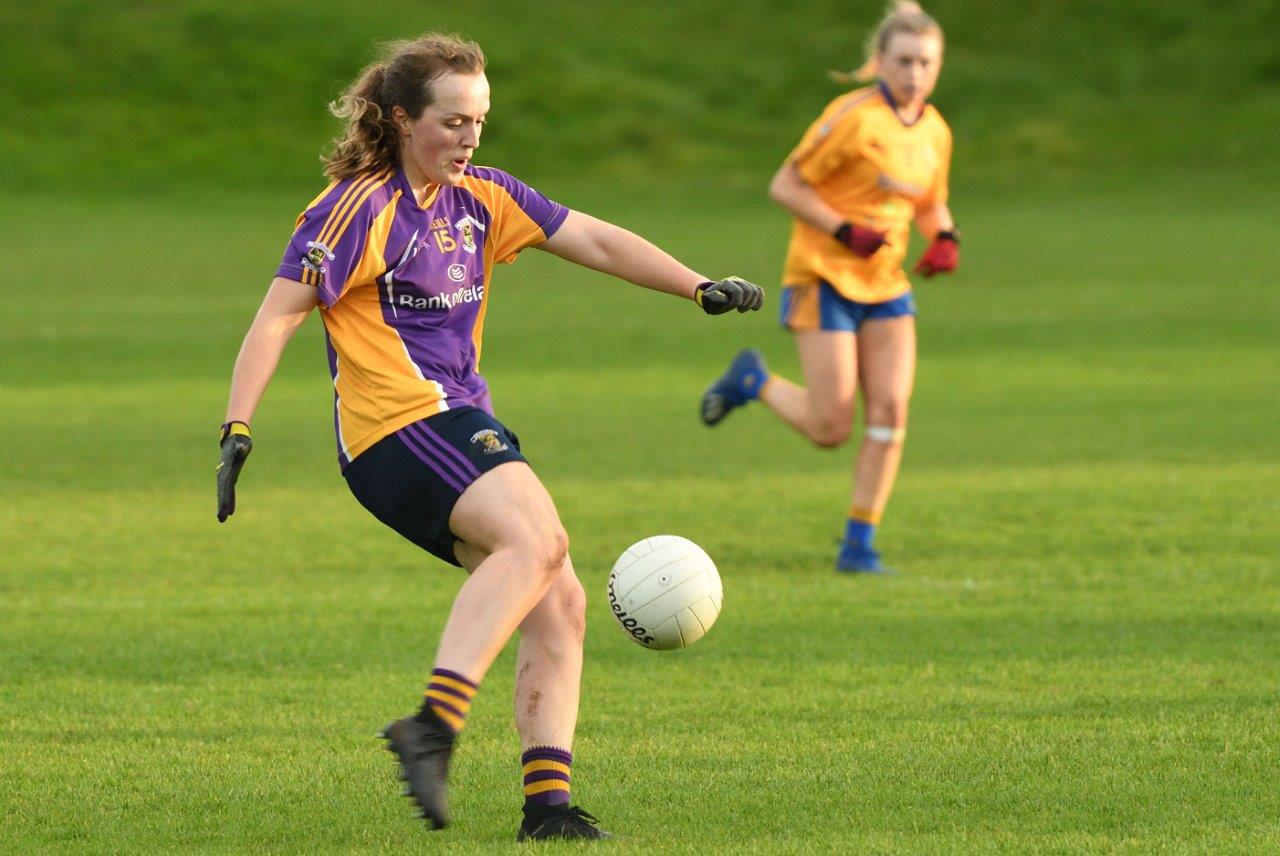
column 403, row 289
column 875, row 170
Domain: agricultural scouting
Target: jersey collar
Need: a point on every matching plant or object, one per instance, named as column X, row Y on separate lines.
column 893, row 105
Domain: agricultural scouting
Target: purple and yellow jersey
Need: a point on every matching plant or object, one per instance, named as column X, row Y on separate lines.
column 403, row 289
column 875, row 170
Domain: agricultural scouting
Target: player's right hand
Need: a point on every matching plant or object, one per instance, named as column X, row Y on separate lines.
column 716, row 298
column 236, row 446
column 863, row 241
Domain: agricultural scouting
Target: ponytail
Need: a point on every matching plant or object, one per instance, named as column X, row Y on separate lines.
column 370, row 141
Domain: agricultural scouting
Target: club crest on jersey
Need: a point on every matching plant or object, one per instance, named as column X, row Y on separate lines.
column 467, row 227
column 314, row 258
column 489, row 441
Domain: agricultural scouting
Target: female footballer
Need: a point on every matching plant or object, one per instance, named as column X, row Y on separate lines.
column 397, row 253
column 875, row 160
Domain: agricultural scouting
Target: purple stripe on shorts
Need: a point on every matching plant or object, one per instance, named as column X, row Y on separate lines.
column 412, row 445
column 462, row 459
column 437, row 447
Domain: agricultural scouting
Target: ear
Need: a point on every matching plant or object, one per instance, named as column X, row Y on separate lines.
column 400, row 117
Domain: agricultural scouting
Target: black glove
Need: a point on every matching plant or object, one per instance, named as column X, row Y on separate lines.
column 716, row 298
column 236, row 446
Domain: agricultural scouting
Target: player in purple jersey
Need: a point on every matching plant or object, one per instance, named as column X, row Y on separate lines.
column 397, row 253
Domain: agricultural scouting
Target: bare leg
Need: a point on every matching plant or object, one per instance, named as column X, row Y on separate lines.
column 549, row 662
column 508, row 516
column 887, row 364
column 513, row 544
column 549, row 665
column 823, row 409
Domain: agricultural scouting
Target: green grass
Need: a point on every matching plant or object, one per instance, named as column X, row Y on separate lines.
column 1082, row 654
column 129, row 94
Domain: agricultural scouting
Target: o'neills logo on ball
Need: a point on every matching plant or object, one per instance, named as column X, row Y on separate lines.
column 470, row 294
column 628, row 623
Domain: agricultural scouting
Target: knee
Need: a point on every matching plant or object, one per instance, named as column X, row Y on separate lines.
column 552, row 551
column 829, row 433
column 544, row 548
column 888, row 413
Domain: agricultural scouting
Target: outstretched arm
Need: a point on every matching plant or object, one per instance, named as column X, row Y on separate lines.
column 610, row 249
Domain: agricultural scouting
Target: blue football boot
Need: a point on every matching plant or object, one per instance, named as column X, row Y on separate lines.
column 739, row 384
column 857, row 558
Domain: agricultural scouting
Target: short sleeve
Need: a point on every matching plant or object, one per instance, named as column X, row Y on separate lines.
column 522, row 217
column 828, row 144
column 329, row 237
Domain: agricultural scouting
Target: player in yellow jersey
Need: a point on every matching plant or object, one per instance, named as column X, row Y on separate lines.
column 875, row 161
column 397, row 253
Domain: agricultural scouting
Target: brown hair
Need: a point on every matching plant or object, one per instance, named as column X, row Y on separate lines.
column 903, row 16
column 401, row 78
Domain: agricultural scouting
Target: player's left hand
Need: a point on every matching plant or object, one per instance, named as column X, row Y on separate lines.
column 942, row 256
column 716, row 298
column 236, row 446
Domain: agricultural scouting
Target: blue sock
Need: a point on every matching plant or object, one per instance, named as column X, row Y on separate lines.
column 860, row 532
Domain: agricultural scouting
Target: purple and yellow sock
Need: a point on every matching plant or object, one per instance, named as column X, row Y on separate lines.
column 546, row 778
column 449, row 696
column 861, row 528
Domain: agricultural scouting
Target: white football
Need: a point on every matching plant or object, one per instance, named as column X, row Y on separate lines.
column 665, row 592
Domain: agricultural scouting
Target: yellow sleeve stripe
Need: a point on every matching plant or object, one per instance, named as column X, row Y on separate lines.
column 364, row 196
column 343, row 205
column 331, row 235
column 539, row 766
column 548, row 785
column 446, row 681
column 310, row 277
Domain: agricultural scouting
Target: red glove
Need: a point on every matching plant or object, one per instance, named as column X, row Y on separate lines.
column 942, row 256
column 862, row 240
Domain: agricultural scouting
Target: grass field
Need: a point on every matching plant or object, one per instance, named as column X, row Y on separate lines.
column 230, row 91
column 1082, row 653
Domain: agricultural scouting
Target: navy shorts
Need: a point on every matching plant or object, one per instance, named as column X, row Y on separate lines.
column 821, row 307
column 411, row 479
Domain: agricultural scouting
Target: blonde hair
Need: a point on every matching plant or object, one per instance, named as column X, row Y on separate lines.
column 902, row 16
column 401, row 78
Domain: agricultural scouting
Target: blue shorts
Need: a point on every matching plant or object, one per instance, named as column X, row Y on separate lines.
column 411, row 479
column 821, row 307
